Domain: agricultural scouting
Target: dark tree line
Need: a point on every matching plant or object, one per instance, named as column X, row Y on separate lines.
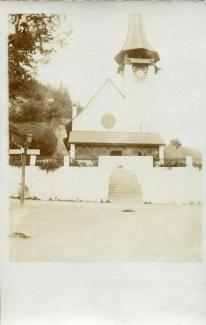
column 40, row 103
column 33, row 38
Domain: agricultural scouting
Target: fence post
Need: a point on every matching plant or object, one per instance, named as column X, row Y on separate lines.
column 72, row 151
column 66, row 160
column 189, row 161
column 161, row 154
column 32, row 161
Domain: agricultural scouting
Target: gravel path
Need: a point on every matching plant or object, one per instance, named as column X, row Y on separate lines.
column 103, row 232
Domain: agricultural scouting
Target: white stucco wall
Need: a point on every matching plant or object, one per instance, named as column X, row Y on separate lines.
column 68, row 183
column 142, row 100
column 159, row 184
column 108, row 100
column 129, row 112
column 136, row 111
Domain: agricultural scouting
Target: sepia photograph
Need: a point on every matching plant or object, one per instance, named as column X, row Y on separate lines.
column 106, row 134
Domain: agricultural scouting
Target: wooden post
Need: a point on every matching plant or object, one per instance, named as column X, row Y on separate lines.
column 23, row 174
column 161, row 154
column 72, row 151
column 24, row 152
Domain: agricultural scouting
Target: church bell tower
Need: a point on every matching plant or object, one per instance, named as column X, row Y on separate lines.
column 137, row 67
column 136, row 55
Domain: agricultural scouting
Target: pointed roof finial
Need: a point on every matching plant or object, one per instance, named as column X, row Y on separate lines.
column 136, row 44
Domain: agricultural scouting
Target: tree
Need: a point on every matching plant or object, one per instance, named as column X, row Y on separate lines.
column 46, row 141
column 32, row 39
column 40, row 103
column 59, row 102
column 175, row 143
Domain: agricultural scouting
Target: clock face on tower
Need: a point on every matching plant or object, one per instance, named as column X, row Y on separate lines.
column 139, row 73
column 108, row 121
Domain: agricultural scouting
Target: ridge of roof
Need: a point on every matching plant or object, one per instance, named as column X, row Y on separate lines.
column 101, row 87
column 98, row 90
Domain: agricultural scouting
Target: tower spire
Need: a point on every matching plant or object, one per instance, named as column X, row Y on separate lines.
column 136, row 48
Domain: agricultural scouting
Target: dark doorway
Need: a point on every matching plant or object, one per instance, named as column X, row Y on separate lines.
column 116, row 153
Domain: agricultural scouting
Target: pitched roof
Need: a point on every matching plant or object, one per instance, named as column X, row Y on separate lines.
column 102, row 86
column 91, row 99
column 101, row 137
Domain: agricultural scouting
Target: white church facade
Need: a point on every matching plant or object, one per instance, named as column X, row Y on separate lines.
column 106, row 128
column 122, row 122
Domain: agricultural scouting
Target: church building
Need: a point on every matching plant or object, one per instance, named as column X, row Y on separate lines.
column 121, row 122
column 116, row 143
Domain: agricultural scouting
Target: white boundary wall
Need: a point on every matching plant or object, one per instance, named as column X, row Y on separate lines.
column 159, row 184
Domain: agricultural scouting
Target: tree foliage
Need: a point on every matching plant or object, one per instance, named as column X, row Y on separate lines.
column 46, row 141
column 175, row 143
column 50, row 165
column 41, row 103
column 32, row 39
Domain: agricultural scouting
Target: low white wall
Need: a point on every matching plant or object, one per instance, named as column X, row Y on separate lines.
column 159, row 184
column 177, row 185
column 67, row 183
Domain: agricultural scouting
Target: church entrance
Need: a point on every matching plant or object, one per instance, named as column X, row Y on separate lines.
column 124, row 187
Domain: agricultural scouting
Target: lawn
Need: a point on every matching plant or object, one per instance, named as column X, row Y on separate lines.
column 103, row 232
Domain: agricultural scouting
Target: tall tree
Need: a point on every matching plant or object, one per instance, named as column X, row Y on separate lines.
column 32, row 39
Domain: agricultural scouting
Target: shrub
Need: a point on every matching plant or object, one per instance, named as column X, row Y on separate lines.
column 50, row 164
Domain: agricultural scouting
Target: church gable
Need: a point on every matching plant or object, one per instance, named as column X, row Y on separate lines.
column 105, row 111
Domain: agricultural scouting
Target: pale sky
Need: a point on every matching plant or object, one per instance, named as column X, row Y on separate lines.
column 176, row 30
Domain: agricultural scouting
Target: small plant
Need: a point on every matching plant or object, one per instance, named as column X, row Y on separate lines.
column 34, row 198
column 50, row 164
column 197, row 165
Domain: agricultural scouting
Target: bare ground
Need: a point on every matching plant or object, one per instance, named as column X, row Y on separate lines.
column 102, row 232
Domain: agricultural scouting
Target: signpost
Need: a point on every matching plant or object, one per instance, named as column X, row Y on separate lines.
column 24, row 144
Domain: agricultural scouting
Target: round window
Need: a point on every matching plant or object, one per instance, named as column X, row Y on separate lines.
column 108, row 121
